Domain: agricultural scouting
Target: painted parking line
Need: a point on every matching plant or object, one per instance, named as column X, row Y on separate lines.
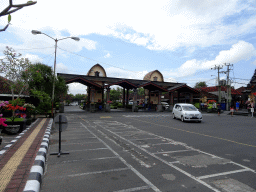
column 171, row 151
column 146, row 138
column 134, row 189
column 224, row 173
column 193, row 149
column 127, row 164
column 98, row 172
column 200, row 178
column 147, row 115
column 164, row 161
column 219, row 138
column 87, row 150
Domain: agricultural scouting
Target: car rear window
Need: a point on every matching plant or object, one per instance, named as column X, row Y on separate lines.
column 189, row 108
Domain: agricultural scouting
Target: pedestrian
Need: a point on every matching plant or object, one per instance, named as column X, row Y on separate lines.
column 232, row 110
column 219, row 108
column 237, row 105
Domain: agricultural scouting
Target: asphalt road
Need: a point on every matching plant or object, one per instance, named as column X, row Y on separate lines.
column 149, row 151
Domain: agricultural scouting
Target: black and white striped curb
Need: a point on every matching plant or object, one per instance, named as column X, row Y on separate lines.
column 36, row 172
column 16, row 139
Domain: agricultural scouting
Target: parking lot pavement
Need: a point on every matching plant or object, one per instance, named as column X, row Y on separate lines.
column 115, row 152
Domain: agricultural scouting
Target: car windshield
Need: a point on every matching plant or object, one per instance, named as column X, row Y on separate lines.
column 189, row 108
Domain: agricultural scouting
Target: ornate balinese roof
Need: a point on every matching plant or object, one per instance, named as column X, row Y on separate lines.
column 215, row 89
column 97, row 65
column 182, row 86
column 149, row 74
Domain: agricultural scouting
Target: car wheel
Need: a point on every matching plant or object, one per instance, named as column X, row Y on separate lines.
column 199, row 121
column 173, row 116
column 182, row 118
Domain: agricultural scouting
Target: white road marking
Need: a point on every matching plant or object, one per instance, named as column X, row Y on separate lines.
column 177, row 168
column 183, row 144
column 97, row 172
column 135, row 131
column 127, row 164
column 147, row 115
column 133, row 189
column 144, row 139
column 224, row 173
column 174, row 162
column 171, row 151
column 167, row 163
column 79, row 143
column 162, row 144
column 88, row 149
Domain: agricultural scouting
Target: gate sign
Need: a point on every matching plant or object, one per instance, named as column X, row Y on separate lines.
column 61, row 119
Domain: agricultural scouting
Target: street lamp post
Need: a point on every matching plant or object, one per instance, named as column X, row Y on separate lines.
column 35, row 32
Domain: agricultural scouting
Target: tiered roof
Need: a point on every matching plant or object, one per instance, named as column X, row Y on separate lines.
column 215, row 88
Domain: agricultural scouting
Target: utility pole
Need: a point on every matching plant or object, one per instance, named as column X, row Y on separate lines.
column 219, row 88
column 228, row 85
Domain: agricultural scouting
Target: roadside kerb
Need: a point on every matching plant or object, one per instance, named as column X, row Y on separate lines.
column 35, row 177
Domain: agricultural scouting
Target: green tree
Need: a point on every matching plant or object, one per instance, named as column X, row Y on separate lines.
column 200, row 84
column 141, row 91
column 44, row 105
column 41, row 79
column 115, row 94
column 80, row 96
column 12, row 66
column 60, row 88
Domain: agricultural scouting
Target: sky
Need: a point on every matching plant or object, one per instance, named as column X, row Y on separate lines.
column 182, row 39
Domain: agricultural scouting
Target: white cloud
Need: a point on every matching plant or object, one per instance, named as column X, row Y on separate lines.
column 156, row 25
column 33, row 58
column 122, row 73
column 238, row 52
column 43, row 44
column 107, row 56
column 76, row 88
column 61, row 68
column 254, row 62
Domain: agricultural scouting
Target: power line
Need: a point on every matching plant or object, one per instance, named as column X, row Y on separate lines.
column 98, row 61
column 33, row 48
column 49, row 59
column 241, row 83
column 242, row 79
column 48, row 55
column 107, row 63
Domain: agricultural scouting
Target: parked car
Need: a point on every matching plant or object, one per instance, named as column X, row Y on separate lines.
column 165, row 105
column 186, row 112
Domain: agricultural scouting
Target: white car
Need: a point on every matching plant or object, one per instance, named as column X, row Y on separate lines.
column 186, row 112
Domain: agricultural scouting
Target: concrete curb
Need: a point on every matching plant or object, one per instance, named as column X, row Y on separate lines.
column 16, row 139
column 36, row 172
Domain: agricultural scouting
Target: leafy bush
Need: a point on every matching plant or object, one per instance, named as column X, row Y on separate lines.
column 115, row 103
column 120, row 105
column 209, row 106
column 197, row 105
column 113, row 107
column 45, row 101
